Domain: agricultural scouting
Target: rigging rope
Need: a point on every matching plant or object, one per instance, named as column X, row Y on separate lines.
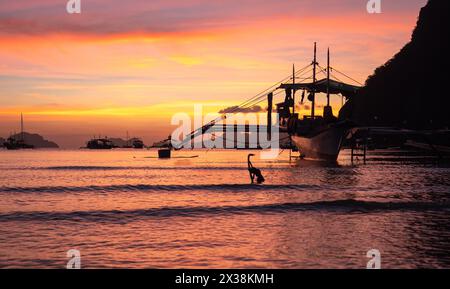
column 260, row 97
column 241, row 142
column 252, row 99
column 332, row 75
column 347, row 76
column 266, row 91
column 259, row 100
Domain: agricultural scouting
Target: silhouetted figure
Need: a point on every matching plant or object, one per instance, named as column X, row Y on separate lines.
column 254, row 172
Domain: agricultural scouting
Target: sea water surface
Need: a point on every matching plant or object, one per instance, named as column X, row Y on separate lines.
column 128, row 209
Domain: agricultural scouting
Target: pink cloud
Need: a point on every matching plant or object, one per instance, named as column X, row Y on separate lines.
column 105, row 17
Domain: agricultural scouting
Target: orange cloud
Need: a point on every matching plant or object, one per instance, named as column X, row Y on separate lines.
column 124, row 66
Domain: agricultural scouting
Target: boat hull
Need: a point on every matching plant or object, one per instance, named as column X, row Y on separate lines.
column 324, row 146
column 14, row 147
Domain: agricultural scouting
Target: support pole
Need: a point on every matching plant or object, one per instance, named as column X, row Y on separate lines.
column 269, row 115
column 313, row 109
column 293, row 89
column 365, row 150
column 353, row 151
column 328, row 77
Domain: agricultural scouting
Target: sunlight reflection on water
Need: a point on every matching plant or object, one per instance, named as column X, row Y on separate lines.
column 123, row 209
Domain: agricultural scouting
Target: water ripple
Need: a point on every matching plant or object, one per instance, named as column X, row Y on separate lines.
column 142, row 187
column 343, row 206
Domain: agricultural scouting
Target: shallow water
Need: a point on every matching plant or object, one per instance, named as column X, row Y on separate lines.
column 125, row 208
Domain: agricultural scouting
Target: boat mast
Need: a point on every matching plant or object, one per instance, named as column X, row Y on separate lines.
column 328, row 77
column 293, row 89
column 269, row 115
column 313, row 94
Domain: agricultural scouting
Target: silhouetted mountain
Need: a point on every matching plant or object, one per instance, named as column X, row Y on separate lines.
column 118, row 142
column 36, row 140
column 409, row 89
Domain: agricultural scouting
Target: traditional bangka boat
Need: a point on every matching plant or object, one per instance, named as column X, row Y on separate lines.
column 316, row 137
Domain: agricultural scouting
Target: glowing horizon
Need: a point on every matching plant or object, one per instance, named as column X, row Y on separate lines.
column 129, row 66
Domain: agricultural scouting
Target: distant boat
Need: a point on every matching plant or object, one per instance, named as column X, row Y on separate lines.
column 135, row 143
column 16, row 144
column 99, row 144
column 127, row 145
column 12, row 143
column 138, row 144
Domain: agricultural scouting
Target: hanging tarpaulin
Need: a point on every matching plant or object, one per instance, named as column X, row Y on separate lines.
column 336, row 87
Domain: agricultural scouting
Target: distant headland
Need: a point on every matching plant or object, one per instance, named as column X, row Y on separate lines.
column 36, row 140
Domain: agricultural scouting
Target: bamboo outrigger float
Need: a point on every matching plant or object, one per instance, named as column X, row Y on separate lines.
column 316, row 137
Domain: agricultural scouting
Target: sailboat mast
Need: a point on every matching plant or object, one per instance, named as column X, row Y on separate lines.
column 314, row 82
column 21, row 126
column 293, row 89
column 328, row 77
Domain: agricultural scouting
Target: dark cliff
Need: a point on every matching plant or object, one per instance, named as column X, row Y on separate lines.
column 410, row 89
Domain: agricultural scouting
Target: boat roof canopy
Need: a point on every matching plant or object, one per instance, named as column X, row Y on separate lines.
column 336, row 87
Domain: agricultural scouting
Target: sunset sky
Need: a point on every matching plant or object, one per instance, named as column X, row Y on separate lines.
column 130, row 65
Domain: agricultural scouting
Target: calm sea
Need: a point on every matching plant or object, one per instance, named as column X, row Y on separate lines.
column 125, row 208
